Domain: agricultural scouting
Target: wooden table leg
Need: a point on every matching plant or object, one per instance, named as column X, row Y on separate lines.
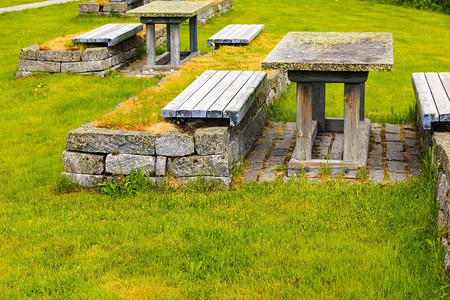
column 352, row 94
column 150, row 36
column 193, row 34
column 175, row 45
column 362, row 101
column 318, row 105
column 302, row 149
column 168, row 37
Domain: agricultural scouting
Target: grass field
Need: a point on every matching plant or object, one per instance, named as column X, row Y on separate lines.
column 297, row 240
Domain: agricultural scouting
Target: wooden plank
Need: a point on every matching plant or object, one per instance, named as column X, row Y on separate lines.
column 193, row 40
column 445, row 79
column 185, row 110
column 240, row 104
column 223, row 31
column 351, row 122
column 110, row 34
column 427, row 107
column 217, row 109
column 150, row 37
column 228, row 39
column 248, row 34
column 170, row 110
column 328, row 76
column 200, row 110
column 334, row 124
column 168, row 37
column 439, row 95
column 220, row 39
column 303, row 144
column 318, row 105
column 362, row 100
column 175, row 45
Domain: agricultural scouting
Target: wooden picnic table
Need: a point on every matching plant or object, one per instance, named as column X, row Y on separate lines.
column 313, row 59
column 171, row 13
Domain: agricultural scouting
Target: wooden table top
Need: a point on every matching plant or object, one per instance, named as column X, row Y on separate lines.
column 332, row 51
column 170, row 9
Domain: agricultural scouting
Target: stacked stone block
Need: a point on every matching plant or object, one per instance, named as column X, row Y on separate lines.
column 210, row 150
column 96, row 60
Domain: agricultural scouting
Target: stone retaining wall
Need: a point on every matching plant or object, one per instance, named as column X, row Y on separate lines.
column 441, row 146
column 209, row 151
column 96, row 60
column 122, row 7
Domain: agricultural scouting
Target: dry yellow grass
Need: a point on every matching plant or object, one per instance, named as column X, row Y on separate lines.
column 143, row 112
column 62, row 43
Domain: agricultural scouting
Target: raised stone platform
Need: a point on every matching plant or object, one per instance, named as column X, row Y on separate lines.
column 210, row 150
column 94, row 60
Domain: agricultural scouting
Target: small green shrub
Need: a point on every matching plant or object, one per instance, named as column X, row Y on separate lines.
column 127, row 185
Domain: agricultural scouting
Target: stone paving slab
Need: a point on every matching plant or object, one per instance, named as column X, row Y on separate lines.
column 393, row 153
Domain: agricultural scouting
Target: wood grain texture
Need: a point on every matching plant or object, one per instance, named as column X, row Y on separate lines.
column 426, row 105
column 150, row 37
column 351, row 122
column 235, row 34
column 302, row 150
column 193, row 43
column 110, row 34
column 439, row 95
column 175, row 45
column 318, row 105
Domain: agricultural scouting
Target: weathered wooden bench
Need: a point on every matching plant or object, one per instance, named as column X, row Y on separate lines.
column 433, row 98
column 110, row 34
column 217, row 95
column 235, row 34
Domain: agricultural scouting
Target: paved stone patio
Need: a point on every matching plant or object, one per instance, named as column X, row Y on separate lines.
column 393, row 152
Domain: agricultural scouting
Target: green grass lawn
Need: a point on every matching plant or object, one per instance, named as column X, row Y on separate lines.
column 274, row 240
column 6, row 3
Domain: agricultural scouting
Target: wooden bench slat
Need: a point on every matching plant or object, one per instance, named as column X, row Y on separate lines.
column 170, row 110
column 110, row 34
column 219, row 34
column 428, row 110
column 249, row 34
column 202, row 107
column 236, row 34
column 216, row 110
column 185, row 110
column 241, row 103
column 445, row 79
column 439, row 95
column 228, row 39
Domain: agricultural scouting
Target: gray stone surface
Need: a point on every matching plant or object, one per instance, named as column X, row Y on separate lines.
column 332, row 51
column 375, row 162
column 36, row 66
column 161, row 166
column 255, row 166
column 290, row 126
column 257, row 157
column 267, row 176
column 211, row 140
column 95, row 54
column 29, row 52
column 283, row 144
column 89, row 7
column 85, row 180
column 102, row 140
column 396, row 166
column 59, row 55
column 410, row 134
column 390, row 155
column 83, row 163
column 251, row 176
column 392, row 137
column 394, row 177
column 411, row 143
column 394, row 146
column 117, row 7
column 84, row 66
column 392, row 128
column 376, row 137
column 122, row 164
column 376, row 176
column 188, row 166
column 320, row 152
column 279, row 152
column 175, row 144
column 276, row 160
